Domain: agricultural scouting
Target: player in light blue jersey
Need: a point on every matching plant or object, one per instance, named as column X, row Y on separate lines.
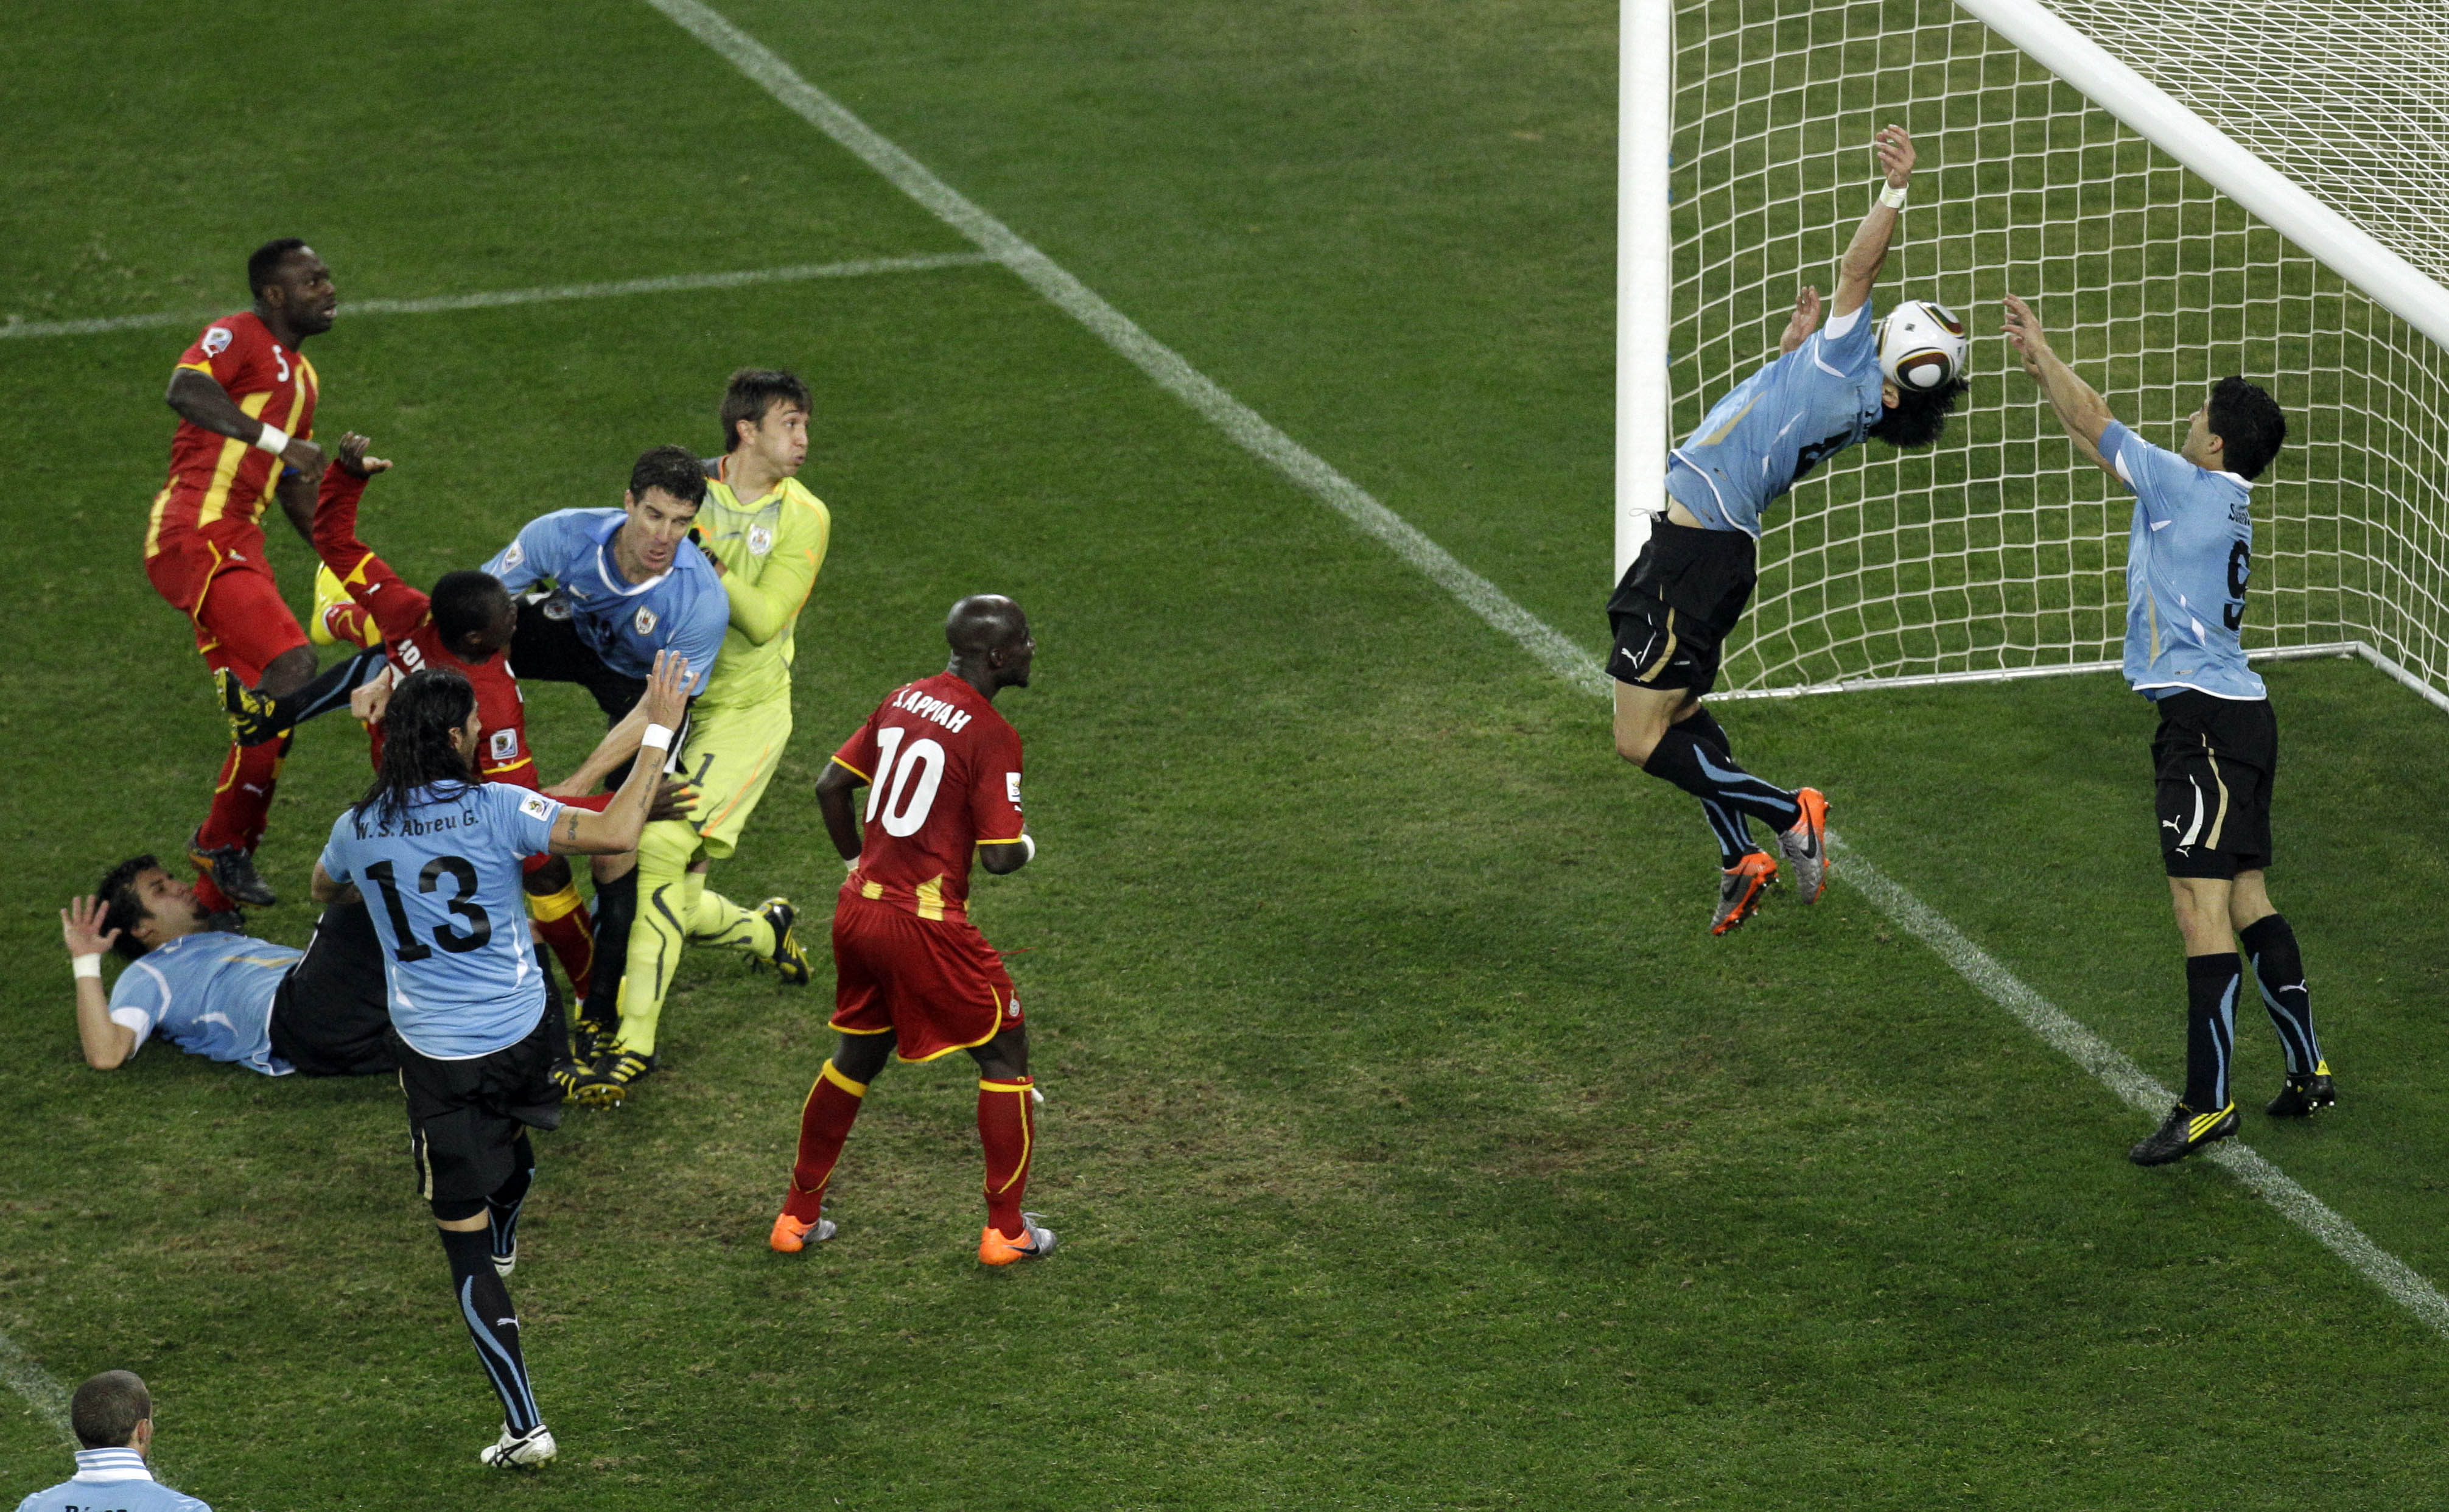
column 438, row 855
column 601, row 593
column 112, row 1417
column 1829, row 388
column 2188, row 559
column 269, row 1007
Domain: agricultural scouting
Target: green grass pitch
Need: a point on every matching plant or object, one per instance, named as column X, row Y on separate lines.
column 1411, row 1143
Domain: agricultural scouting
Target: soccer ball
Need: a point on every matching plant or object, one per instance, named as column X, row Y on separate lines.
column 1921, row 346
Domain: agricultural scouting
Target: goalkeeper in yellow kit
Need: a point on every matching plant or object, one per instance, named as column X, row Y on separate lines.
column 767, row 535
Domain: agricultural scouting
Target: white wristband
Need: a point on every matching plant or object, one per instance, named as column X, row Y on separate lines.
column 1892, row 197
column 1028, row 847
column 87, row 965
column 273, row 439
column 658, row 737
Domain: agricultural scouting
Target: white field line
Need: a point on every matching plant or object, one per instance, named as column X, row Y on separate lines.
column 30, row 1381
column 1151, row 357
column 1552, row 650
column 16, row 329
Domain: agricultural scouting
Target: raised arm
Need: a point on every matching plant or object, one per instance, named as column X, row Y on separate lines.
column 2079, row 407
column 106, row 1045
column 1868, row 252
column 200, row 400
column 619, row 744
column 577, row 832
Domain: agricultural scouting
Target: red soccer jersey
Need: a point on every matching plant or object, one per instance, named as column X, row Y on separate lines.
column 217, row 485
column 405, row 617
column 943, row 774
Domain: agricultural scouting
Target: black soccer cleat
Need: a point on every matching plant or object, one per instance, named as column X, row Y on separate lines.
column 589, row 1038
column 233, row 872
column 607, row 1081
column 2184, row 1132
column 2304, row 1095
column 251, row 713
column 789, row 961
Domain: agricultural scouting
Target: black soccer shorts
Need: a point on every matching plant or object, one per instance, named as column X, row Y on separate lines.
column 1677, row 603
column 465, row 1117
column 331, row 1015
column 2212, row 761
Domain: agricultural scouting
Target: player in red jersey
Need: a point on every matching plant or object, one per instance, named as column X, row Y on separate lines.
column 465, row 625
column 245, row 399
column 912, row 975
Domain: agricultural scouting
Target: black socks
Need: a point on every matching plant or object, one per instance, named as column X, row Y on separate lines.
column 503, row 1206
column 2212, row 983
column 484, row 1305
column 1728, row 827
column 2279, row 970
column 616, row 907
column 1709, row 774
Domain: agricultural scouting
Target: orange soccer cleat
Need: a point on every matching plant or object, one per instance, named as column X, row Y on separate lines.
column 1034, row 1241
column 1741, row 887
column 1807, row 844
column 790, row 1235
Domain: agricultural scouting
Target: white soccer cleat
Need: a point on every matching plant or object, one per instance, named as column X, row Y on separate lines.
column 520, row 1452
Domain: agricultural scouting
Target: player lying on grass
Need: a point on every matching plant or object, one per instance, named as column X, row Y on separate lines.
column 601, row 593
column 466, row 624
column 245, row 400
column 2189, row 556
column 319, row 1011
column 766, row 536
column 1828, row 389
column 912, row 975
column 439, row 854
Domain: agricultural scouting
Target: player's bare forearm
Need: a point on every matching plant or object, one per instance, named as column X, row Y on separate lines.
column 106, row 1045
column 2077, row 405
column 202, row 401
column 834, row 790
column 619, row 744
column 616, row 830
column 1868, row 252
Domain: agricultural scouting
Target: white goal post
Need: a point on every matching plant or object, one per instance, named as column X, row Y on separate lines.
column 2182, row 192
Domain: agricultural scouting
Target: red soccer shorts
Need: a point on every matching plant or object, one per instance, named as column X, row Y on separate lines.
column 936, row 984
column 241, row 622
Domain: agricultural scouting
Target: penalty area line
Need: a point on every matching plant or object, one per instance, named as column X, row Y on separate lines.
column 1559, row 655
column 44, row 1394
column 16, row 329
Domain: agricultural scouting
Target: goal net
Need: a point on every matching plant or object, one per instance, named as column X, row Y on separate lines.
column 1995, row 552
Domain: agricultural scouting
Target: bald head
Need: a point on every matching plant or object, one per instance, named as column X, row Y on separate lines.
column 991, row 643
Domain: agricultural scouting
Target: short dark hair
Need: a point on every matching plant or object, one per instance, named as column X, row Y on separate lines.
column 674, row 469
column 465, row 602
column 2249, row 422
column 106, row 1409
column 263, row 265
column 1919, row 416
column 754, row 391
column 122, row 909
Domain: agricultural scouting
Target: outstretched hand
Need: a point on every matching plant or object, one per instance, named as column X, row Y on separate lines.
column 666, row 697
column 1896, row 154
column 81, row 926
column 673, row 799
column 353, row 459
column 1805, row 321
column 2023, row 330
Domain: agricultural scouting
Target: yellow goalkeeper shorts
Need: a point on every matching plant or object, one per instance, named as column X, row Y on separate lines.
column 730, row 756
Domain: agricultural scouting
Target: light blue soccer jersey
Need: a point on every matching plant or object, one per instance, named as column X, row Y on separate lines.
column 2188, row 555
column 624, row 623
column 442, row 883
column 110, row 1481
column 210, row 994
column 1779, row 424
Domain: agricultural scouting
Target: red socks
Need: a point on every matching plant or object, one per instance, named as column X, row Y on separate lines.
column 242, row 802
column 824, row 1123
column 562, row 922
column 1007, row 1127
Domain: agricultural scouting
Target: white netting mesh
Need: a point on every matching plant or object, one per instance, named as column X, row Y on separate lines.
column 1992, row 550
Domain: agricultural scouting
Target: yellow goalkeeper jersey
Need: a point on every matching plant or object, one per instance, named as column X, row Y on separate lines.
column 771, row 549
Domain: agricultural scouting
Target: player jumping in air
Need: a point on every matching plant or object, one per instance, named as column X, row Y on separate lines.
column 766, row 535
column 438, row 856
column 245, row 399
column 2188, row 554
column 466, row 624
column 912, row 975
column 601, row 593
column 1828, row 389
